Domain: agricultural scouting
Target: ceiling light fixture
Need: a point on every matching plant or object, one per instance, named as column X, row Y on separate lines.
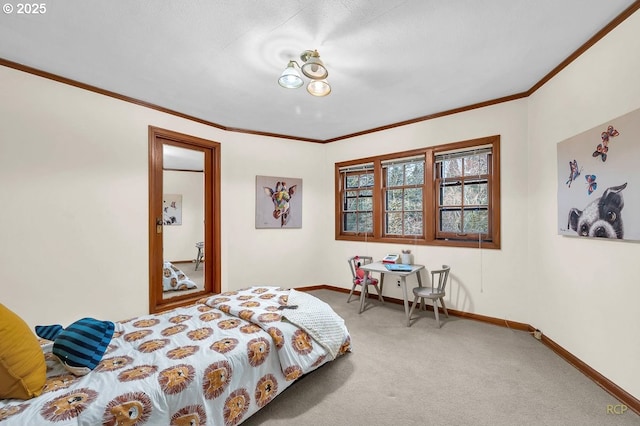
column 313, row 68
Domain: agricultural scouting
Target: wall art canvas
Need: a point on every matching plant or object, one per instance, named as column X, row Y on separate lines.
column 599, row 181
column 172, row 209
column 278, row 202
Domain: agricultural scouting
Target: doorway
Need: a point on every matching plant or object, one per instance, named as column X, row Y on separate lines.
column 189, row 219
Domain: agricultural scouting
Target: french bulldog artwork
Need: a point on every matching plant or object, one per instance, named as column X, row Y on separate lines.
column 598, row 182
column 602, row 218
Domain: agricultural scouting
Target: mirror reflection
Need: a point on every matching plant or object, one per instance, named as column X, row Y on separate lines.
column 183, row 221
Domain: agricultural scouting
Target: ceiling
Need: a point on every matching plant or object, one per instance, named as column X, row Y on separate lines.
column 182, row 159
column 389, row 61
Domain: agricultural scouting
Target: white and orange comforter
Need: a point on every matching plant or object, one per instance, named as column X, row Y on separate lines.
column 214, row 363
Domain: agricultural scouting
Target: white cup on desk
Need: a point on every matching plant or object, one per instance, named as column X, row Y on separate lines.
column 406, row 259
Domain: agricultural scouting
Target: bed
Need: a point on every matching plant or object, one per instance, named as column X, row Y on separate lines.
column 173, row 279
column 215, row 362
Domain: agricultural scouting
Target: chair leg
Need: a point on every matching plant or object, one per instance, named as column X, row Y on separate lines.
column 415, row 301
column 363, row 297
column 353, row 287
column 444, row 307
column 435, row 310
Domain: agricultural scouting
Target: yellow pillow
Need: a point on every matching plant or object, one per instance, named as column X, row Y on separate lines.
column 23, row 370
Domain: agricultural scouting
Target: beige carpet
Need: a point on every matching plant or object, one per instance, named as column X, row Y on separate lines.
column 466, row 373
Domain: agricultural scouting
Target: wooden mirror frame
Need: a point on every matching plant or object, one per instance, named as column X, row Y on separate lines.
column 157, row 138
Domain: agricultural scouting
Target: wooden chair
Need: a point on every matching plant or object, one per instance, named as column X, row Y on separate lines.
column 435, row 292
column 358, row 279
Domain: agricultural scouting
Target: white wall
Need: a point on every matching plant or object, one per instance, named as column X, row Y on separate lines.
column 489, row 282
column 179, row 241
column 585, row 292
column 73, row 232
column 74, row 181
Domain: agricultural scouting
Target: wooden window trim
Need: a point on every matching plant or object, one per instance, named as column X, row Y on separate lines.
column 430, row 193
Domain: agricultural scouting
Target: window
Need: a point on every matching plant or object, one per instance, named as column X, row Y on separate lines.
column 443, row 195
column 462, row 201
column 357, row 208
column 403, row 197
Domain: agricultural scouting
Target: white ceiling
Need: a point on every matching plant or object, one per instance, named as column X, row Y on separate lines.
column 389, row 61
column 181, row 159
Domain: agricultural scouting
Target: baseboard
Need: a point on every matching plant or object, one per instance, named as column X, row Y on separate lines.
column 616, row 391
column 620, row 394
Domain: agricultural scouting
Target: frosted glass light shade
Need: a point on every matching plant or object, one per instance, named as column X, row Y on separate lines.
column 290, row 77
column 319, row 88
column 313, row 66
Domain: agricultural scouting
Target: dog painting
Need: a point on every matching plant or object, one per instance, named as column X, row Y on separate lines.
column 596, row 187
column 602, row 218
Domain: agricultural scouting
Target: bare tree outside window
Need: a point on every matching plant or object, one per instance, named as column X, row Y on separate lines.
column 463, row 201
column 441, row 195
column 404, row 194
column 358, row 202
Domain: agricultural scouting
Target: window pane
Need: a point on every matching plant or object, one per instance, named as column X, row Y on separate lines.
column 414, row 173
column 450, row 221
column 365, row 204
column 452, row 168
column 351, row 204
column 476, row 165
column 352, row 181
column 475, row 193
column 394, row 223
column 413, row 199
column 413, row 223
column 395, row 175
column 476, row 221
column 366, row 180
column 350, row 222
column 451, row 195
column 365, row 222
column 394, row 199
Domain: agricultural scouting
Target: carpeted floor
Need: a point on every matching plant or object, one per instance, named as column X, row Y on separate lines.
column 465, row 373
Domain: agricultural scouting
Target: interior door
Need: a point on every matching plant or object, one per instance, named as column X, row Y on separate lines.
column 207, row 153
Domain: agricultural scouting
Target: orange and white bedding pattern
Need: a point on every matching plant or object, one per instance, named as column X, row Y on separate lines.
column 212, row 363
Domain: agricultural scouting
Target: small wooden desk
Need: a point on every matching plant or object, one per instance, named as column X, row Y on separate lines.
column 379, row 267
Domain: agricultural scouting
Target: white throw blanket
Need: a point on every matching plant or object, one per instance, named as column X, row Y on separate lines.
column 318, row 319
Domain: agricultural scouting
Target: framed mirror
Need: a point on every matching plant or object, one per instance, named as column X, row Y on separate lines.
column 184, row 225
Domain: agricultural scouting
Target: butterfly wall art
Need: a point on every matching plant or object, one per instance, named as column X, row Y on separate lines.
column 592, row 185
column 603, row 148
column 574, row 172
column 602, row 177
